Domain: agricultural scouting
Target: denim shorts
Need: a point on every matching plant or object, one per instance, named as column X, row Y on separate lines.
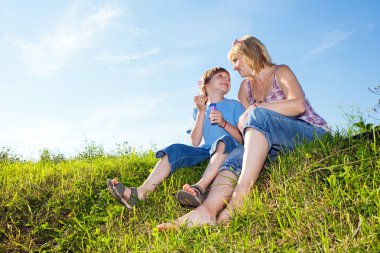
column 181, row 155
column 234, row 161
column 281, row 132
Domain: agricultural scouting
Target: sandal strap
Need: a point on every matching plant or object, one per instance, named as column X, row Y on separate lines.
column 198, row 189
column 134, row 198
column 120, row 188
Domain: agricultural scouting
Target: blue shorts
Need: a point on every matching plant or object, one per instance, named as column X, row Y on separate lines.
column 281, row 132
column 181, row 155
column 234, row 161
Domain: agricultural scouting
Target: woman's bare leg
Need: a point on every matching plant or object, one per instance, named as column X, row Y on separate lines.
column 255, row 154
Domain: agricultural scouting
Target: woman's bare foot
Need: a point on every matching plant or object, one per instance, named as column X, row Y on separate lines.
column 224, row 216
column 195, row 218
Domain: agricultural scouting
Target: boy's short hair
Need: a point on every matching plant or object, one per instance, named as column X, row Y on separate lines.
column 206, row 77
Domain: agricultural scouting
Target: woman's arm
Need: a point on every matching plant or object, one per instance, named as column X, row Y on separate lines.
column 243, row 94
column 294, row 104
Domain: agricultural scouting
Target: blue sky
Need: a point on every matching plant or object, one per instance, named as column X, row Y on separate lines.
column 115, row 71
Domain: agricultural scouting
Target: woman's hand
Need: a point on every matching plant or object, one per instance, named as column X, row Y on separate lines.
column 200, row 102
column 242, row 119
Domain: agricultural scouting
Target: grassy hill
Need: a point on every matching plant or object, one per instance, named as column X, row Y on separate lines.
column 323, row 197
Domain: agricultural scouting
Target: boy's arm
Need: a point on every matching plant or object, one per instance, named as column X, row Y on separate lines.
column 217, row 117
column 196, row 133
column 233, row 131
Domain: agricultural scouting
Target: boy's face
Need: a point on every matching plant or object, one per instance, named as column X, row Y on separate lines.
column 220, row 82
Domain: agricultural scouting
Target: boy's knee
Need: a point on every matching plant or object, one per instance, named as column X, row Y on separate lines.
column 220, row 147
column 171, row 149
column 225, row 145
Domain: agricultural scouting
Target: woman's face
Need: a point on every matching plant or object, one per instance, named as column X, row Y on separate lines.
column 241, row 66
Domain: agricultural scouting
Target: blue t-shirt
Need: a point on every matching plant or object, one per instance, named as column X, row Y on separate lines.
column 230, row 109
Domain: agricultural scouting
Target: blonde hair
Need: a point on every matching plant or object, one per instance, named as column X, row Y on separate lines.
column 206, row 77
column 254, row 53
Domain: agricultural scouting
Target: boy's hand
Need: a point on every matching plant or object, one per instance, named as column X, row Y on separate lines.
column 216, row 118
column 200, row 102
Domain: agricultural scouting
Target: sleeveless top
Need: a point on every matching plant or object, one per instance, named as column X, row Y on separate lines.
column 276, row 94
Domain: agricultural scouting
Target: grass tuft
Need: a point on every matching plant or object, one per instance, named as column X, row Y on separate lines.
column 323, row 196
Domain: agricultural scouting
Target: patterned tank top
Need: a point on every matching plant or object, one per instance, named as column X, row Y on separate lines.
column 276, row 94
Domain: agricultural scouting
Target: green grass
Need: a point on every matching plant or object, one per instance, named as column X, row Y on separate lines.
column 323, row 197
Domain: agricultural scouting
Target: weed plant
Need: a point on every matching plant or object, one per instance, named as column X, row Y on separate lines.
column 322, row 197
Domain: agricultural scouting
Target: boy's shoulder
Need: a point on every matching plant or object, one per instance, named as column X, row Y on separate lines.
column 229, row 100
column 233, row 103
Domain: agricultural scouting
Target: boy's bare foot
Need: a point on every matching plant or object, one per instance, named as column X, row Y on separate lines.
column 127, row 191
column 191, row 195
column 190, row 189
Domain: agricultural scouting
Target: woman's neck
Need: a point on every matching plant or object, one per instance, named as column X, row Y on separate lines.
column 263, row 75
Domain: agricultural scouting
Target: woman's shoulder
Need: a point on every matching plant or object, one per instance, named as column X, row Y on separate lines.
column 282, row 69
column 244, row 83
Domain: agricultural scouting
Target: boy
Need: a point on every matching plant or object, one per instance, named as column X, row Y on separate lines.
column 220, row 136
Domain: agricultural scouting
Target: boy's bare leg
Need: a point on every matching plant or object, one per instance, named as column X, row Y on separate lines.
column 220, row 193
column 211, row 171
column 160, row 172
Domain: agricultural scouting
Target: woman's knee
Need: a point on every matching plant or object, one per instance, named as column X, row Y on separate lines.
column 258, row 116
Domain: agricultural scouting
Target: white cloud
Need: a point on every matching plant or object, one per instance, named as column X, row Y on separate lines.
column 113, row 116
column 331, row 40
column 109, row 59
column 371, row 25
column 53, row 51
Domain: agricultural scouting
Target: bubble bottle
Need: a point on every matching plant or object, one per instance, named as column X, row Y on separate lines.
column 212, row 108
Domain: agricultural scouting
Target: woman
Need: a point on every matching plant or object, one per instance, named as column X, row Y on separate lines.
column 277, row 116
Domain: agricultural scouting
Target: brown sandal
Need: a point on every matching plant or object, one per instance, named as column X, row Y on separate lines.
column 117, row 191
column 187, row 199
